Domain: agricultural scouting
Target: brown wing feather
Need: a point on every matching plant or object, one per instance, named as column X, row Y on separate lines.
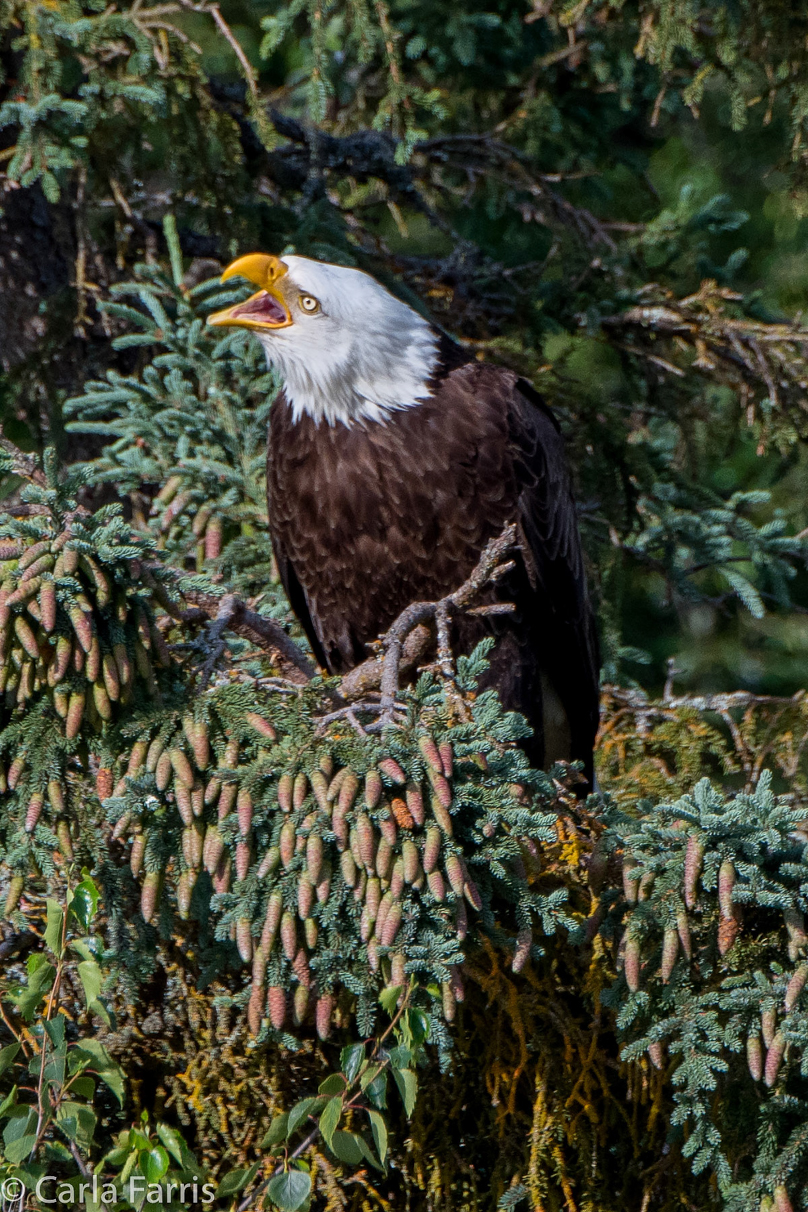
column 366, row 520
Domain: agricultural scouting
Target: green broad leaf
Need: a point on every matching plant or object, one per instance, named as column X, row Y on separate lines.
column 40, row 978
column 370, row 1075
column 236, row 1181
column 91, row 980
column 378, row 1127
column 335, row 1083
column 84, row 902
column 129, row 1165
column 350, row 1060
column 400, row 1057
column 54, row 1071
column 301, row 1112
column 368, row 1153
column 290, row 1190
column 53, row 929
column 330, row 1119
column 388, row 999
column 154, row 1163
column 9, row 1102
column 172, row 1141
column 278, row 1131
column 82, row 948
column 59, row 1152
column 98, row 1007
column 84, row 1086
column 347, row 1147
column 17, row 1151
column 77, row 1121
column 7, row 1055
column 90, row 1054
column 19, row 1135
column 419, row 1024
column 55, row 1028
column 116, row 1157
column 376, row 1091
column 407, row 1084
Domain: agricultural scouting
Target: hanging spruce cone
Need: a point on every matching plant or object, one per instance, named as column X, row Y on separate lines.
column 299, row 790
column 436, row 885
column 34, row 811
column 670, row 950
column 454, row 872
column 754, row 1055
column 136, row 853
column 305, row 896
column 244, row 939
column 632, row 963
column 300, row 1004
column 392, row 771
column 348, row 868
column 15, row 889
column 272, row 921
column 630, row 881
column 694, row 854
column 373, row 788
column 774, row 1058
column 288, row 936
column 524, row 943
column 365, row 840
column 323, row 1015
column 64, row 840
column 276, row 1006
column 782, row 1203
column 185, row 888
column 285, row 792
column 795, row 927
column 150, row 895
column 244, row 811
column 795, row 987
column 269, row 862
column 655, row 1053
column 286, row 843
column 243, row 859
column 261, row 726
column 683, row 929
column 401, row 813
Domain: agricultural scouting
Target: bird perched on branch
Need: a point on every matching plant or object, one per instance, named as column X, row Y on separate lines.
column 393, row 459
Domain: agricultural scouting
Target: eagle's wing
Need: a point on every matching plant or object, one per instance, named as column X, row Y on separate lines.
column 297, row 598
column 563, row 620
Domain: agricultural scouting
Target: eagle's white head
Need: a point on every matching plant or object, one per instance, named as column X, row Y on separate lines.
column 348, row 350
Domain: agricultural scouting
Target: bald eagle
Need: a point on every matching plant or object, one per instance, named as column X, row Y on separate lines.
column 393, row 458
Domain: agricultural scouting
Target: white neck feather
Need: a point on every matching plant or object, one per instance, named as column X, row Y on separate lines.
column 364, row 356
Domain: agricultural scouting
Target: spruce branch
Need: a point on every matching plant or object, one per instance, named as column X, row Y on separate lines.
column 23, row 465
column 488, row 569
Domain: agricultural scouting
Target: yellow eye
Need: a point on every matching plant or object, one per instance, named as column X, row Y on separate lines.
column 309, row 304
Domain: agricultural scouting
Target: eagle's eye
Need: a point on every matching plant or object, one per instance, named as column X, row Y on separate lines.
column 309, row 304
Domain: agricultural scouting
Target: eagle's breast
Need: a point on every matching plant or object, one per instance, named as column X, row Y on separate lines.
column 368, row 518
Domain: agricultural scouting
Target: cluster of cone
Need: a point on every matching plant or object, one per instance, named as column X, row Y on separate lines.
column 765, row 1046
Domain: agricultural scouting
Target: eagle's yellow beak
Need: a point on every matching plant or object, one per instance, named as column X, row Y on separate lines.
column 267, row 308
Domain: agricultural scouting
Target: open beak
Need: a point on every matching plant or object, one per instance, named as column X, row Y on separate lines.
column 266, row 309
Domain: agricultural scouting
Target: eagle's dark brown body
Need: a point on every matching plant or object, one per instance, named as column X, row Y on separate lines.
column 368, row 518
